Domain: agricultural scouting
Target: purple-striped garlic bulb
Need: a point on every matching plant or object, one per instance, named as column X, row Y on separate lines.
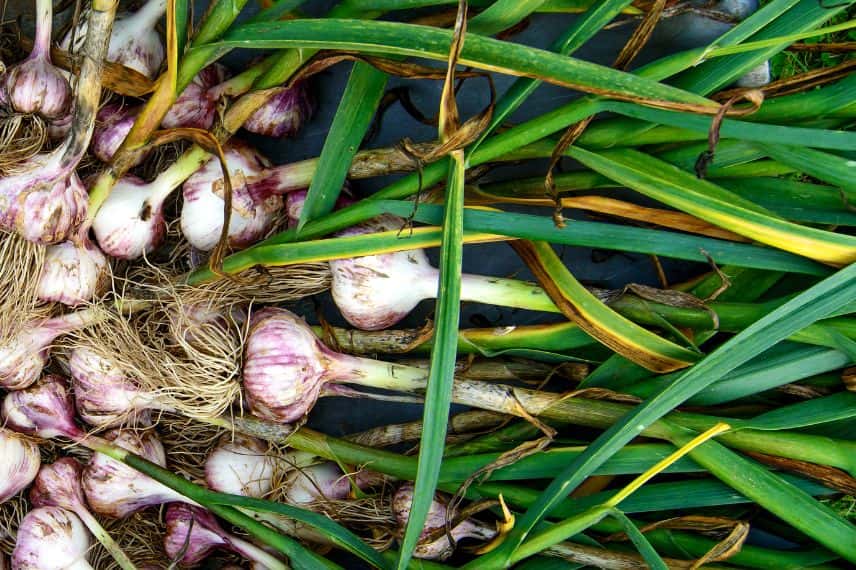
column 434, row 543
column 283, row 113
column 112, row 125
column 252, row 215
column 196, row 106
column 35, row 85
column 51, row 538
column 116, row 490
column 45, row 409
column 104, row 395
column 192, row 533
column 19, row 466
column 74, row 272
column 24, row 355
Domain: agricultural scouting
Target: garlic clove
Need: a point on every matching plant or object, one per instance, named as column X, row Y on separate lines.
column 239, row 465
column 74, row 272
column 51, row 538
column 128, row 224
column 19, row 466
column 284, row 113
column 202, row 212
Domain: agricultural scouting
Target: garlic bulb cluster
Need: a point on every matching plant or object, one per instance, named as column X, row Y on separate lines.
column 116, row 490
column 431, row 546
column 134, row 42
column 45, row 409
column 284, row 113
column 74, row 272
column 202, row 212
column 196, row 106
column 35, row 86
column 19, row 466
column 51, row 538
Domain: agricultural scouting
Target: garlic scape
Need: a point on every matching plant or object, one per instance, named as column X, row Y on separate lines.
column 435, row 542
column 19, row 465
column 192, row 533
column 253, row 214
column 35, row 85
column 59, row 485
column 135, row 42
column 51, row 538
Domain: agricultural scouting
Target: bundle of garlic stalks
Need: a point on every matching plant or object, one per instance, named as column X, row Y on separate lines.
column 189, row 331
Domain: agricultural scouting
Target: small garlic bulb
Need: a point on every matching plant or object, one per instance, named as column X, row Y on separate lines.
column 202, row 212
column 284, row 113
column 318, row 482
column 19, row 466
column 112, row 125
column 191, row 534
column 75, row 272
column 45, row 409
column 196, row 106
column 51, row 538
column 240, row 465
column 130, row 222
column 58, row 485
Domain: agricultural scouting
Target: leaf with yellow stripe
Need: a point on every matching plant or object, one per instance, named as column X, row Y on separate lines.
column 613, row 330
column 680, row 189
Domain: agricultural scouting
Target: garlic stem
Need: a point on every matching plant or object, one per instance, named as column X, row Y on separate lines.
column 44, row 22
column 102, row 536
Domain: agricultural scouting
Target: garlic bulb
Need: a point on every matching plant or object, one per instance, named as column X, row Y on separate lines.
column 19, row 466
column 196, row 106
column 58, row 485
column 45, row 202
column 51, row 538
column 134, row 42
column 239, row 465
column 112, row 125
column 192, row 533
column 35, row 85
column 45, row 409
column 23, row 356
column 441, row 547
column 202, row 213
column 130, row 223
column 318, row 482
column 284, row 113
column 116, row 490
column 104, row 395
column 75, row 272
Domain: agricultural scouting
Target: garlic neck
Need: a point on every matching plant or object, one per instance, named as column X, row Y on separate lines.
column 44, row 22
column 148, row 16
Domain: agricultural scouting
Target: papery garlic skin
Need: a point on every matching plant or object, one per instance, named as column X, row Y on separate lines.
column 405, row 278
column 130, row 223
column 282, row 383
column 35, row 86
column 43, row 203
column 116, row 490
column 19, row 465
column 202, row 212
column 58, row 485
column 104, row 395
column 239, row 465
column 74, row 272
column 284, row 113
column 51, row 538
column 440, row 548
column 45, row 409
column 196, row 106
column 191, row 534
column 112, row 125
